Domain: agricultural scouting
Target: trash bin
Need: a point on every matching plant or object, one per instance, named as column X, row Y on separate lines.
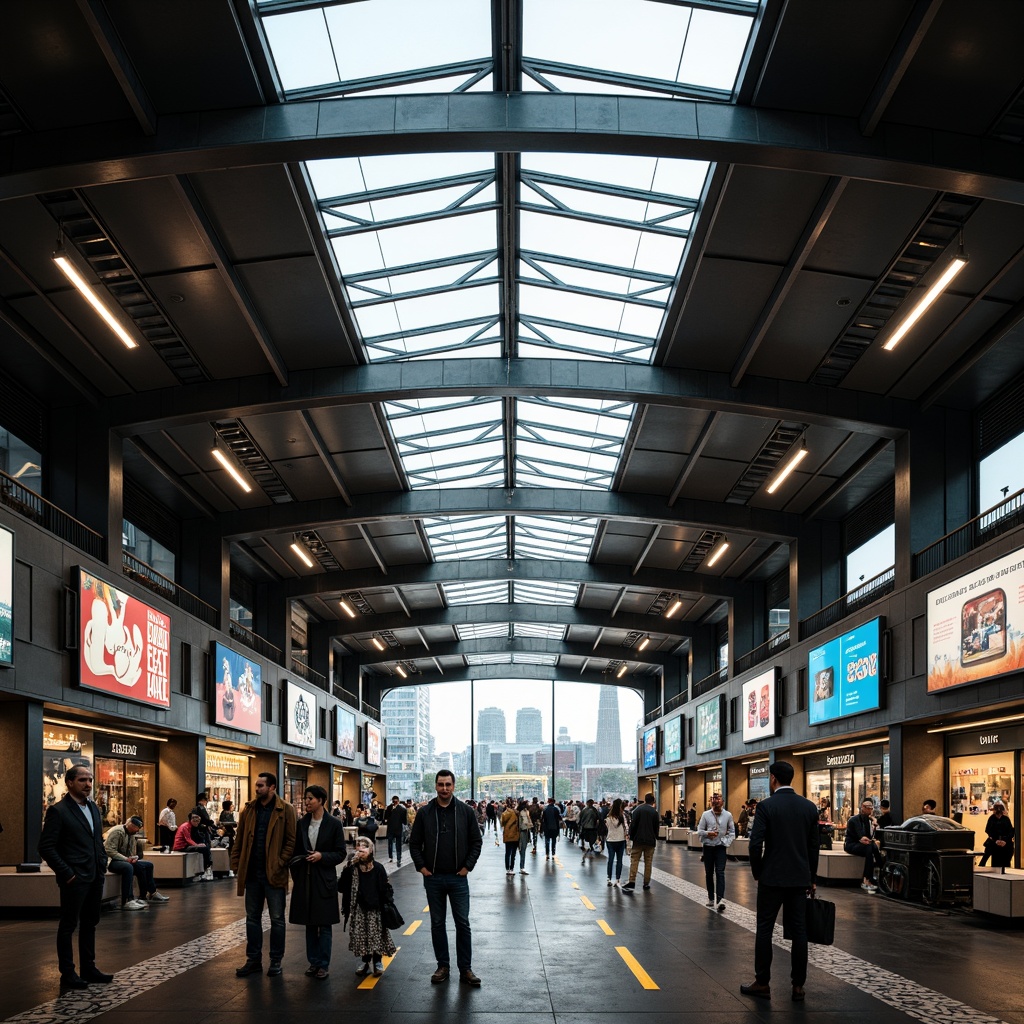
column 930, row 858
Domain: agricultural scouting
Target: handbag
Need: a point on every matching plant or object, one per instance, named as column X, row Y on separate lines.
column 389, row 915
column 821, row 922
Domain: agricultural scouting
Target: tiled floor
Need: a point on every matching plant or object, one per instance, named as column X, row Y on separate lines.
column 543, row 954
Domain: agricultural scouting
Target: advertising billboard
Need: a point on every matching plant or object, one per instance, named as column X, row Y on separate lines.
column 974, row 625
column 709, row 725
column 238, row 691
column 844, row 675
column 373, row 752
column 124, row 645
column 650, row 747
column 344, row 733
column 674, row 738
column 759, row 706
column 6, row 598
column 300, row 716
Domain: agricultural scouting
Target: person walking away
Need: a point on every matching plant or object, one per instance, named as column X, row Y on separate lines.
column 320, row 840
column 783, row 861
column 551, row 822
column 643, row 830
column 572, row 814
column 395, row 820
column 716, row 831
column 365, row 889
column 264, row 845
column 691, row 817
column 615, row 841
column 525, row 831
column 124, row 858
column 588, row 822
column 510, row 837
column 536, row 812
column 445, row 845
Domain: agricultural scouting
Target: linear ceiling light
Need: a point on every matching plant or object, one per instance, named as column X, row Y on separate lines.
column 347, row 608
column 63, row 259
column 300, row 552
column 401, row 671
column 757, row 760
column 798, row 456
column 231, row 469
column 841, row 746
column 924, row 303
column 376, row 643
column 719, row 551
column 622, row 671
column 643, row 643
column 674, row 607
column 977, row 725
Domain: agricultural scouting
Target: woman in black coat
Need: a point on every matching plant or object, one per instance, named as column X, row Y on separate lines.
column 319, row 849
column 1000, row 833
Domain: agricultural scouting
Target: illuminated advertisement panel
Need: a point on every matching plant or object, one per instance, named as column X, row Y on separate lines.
column 300, row 716
column 344, row 733
column 650, row 747
column 709, row 725
column 674, row 738
column 124, row 645
column 843, row 676
column 373, row 752
column 974, row 625
column 6, row 598
column 759, row 707
column 238, row 691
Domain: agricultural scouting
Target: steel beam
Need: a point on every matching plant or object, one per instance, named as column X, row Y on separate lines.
column 502, row 672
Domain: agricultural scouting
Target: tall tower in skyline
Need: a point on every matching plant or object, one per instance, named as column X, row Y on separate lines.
column 490, row 725
column 609, row 739
column 529, row 726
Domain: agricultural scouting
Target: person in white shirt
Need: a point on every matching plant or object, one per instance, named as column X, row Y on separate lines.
column 716, row 830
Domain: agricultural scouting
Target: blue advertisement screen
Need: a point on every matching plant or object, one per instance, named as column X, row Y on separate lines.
column 674, row 739
column 843, row 676
column 238, row 696
column 651, row 747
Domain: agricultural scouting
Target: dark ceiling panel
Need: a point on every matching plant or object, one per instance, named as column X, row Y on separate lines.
column 367, row 472
column 713, row 479
column 348, row 428
column 652, row 472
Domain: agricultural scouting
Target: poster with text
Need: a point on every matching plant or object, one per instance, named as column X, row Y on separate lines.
column 124, row 645
column 344, row 733
column 843, row 676
column 975, row 625
column 758, row 707
column 709, row 725
column 674, row 738
column 373, row 754
column 238, row 691
column 300, row 709
column 6, row 598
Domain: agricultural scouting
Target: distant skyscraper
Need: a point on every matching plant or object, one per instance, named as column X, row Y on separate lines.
column 405, row 712
column 490, row 725
column 609, row 739
column 528, row 726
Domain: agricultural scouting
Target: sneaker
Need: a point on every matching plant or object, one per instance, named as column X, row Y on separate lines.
column 710, row 904
column 628, row 888
column 378, row 968
column 721, row 906
column 523, row 871
column 208, row 875
column 547, row 856
column 231, row 874
column 311, row 970
column 609, row 881
column 616, row 883
column 363, row 969
column 135, row 905
column 158, row 897
column 868, row 887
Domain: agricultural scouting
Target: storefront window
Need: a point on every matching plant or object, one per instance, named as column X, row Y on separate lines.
column 758, row 787
column 976, row 781
column 227, row 778
column 295, row 786
column 712, row 785
column 63, row 748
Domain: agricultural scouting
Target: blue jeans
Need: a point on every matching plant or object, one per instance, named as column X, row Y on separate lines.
column 256, row 893
column 714, row 871
column 318, row 945
column 395, row 844
column 141, row 869
column 616, row 848
column 524, row 844
column 441, row 889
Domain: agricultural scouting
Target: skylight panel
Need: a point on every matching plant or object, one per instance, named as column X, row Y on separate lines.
column 484, row 592
column 563, row 538
column 528, row 658
column 488, row 659
column 467, row 537
column 482, row 630
column 539, row 631
column 542, row 592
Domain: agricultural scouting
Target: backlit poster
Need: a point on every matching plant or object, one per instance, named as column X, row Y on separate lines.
column 373, row 754
column 6, row 598
column 674, row 738
column 758, row 707
column 344, row 733
column 843, row 676
column 974, row 625
column 124, row 645
column 238, row 691
column 300, row 712
column 650, row 747
column 709, row 725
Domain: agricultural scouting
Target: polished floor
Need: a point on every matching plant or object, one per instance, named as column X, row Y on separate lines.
column 554, row 945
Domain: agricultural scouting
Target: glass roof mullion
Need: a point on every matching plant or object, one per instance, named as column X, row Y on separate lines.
column 597, row 293
column 681, row 89
column 481, row 67
column 410, row 188
column 439, row 289
column 685, row 203
column 598, row 268
column 432, row 329
column 480, row 259
column 604, row 220
column 546, row 341
column 584, row 329
column 417, row 218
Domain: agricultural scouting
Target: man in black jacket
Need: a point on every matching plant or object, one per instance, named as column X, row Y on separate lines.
column 643, row 830
column 445, row 844
column 784, row 860
column 395, row 819
column 72, row 844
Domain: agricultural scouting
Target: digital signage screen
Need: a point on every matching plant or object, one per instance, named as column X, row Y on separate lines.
column 6, row 598
column 373, row 752
column 124, row 645
column 974, row 625
column 759, row 706
column 844, row 675
column 650, row 747
column 674, row 738
column 238, row 691
column 300, row 716
column 344, row 733
column 709, row 725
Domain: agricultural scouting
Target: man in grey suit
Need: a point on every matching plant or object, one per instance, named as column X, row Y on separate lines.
column 72, row 844
column 784, row 860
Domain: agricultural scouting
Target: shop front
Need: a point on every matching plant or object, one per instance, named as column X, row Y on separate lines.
column 757, row 782
column 983, row 768
column 837, row 781
column 712, row 785
column 227, row 778
column 295, row 775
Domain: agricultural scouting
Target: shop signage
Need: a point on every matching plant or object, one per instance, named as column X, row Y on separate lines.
column 119, row 746
column 835, row 760
column 844, row 675
column 757, row 770
column 759, row 706
column 974, row 625
column 219, row 762
column 124, row 645
column 1008, row 738
column 715, row 776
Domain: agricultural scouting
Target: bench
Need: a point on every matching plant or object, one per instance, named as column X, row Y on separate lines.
column 1001, row 895
column 693, row 840
column 740, row 848
column 37, row 890
column 174, row 868
column 221, row 861
column 677, row 835
column 838, row 866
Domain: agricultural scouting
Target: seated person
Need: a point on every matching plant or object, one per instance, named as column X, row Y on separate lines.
column 191, row 836
column 228, row 823
column 861, row 842
column 122, row 848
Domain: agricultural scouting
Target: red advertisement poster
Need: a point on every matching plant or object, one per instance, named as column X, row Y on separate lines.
column 124, row 646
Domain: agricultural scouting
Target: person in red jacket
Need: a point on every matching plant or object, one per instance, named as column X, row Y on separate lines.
column 192, row 837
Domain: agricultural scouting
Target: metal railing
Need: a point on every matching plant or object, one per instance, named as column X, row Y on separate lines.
column 999, row 519
column 867, row 593
column 708, row 683
column 653, row 715
column 141, row 573
column 254, row 642
column 776, row 645
column 34, row 507
column 370, row 711
column 300, row 668
column 677, row 701
column 351, row 699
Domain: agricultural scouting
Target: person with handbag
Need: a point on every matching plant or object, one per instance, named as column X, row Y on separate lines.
column 525, row 831
column 319, row 849
column 365, row 893
column 510, row 836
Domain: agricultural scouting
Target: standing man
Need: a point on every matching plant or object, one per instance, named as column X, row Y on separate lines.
column 643, row 830
column 122, row 849
column 589, row 819
column 551, row 820
column 395, row 819
column 72, row 844
column 264, row 844
column 783, row 860
column 716, row 831
column 445, row 844
column 861, row 842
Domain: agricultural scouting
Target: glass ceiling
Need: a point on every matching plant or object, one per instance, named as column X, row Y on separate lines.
column 566, row 538
column 510, row 592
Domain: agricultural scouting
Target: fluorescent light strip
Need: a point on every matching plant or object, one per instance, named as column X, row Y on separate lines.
column 89, row 294
column 376, row 643
column 977, row 725
column 757, row 760
column 401, row 671
column 100, row 727
column 841, row 746
column 347, row 609
column 622, row 671
column 676, row 605
column 643, row 643
column 711, row 767
column 798, row 456
column 955, row 266
column 300, row 551
column 229, row 466
column 721, row 550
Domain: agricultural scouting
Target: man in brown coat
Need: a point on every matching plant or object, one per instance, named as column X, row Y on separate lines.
column 264, row 844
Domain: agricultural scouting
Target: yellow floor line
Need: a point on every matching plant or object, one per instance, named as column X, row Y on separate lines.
column 575, row 885
column 639, row 973
column 371, row 982
column 426, row 909
column 413, row 926
column 603, row 925
column 587, row 903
